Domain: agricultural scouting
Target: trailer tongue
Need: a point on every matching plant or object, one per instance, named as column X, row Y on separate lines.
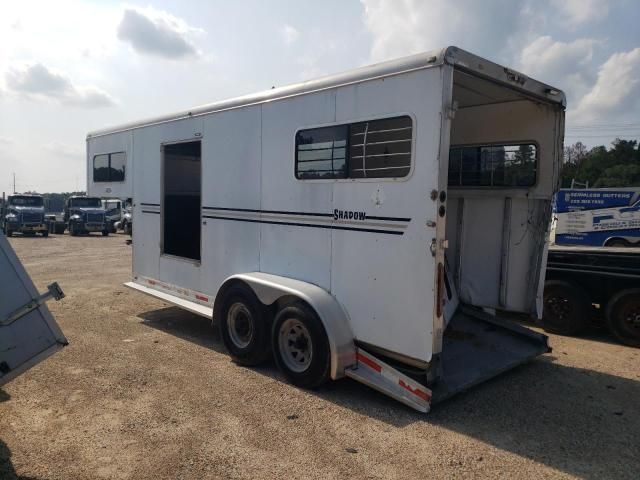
column 28, row 331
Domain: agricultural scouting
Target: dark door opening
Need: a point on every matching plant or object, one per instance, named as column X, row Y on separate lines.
column 182, row 180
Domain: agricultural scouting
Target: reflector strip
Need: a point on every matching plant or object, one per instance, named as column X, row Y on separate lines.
column 368, row 362
column 416, row 391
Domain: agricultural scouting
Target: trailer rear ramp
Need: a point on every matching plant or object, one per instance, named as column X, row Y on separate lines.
column 478, row 346
column 28, row 331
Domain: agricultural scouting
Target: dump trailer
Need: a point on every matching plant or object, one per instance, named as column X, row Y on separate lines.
column 28, row 331
column 586, row 284
column 368, row 224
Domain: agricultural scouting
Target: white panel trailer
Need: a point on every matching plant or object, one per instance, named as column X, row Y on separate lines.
column 28, row 331
column 368, row 224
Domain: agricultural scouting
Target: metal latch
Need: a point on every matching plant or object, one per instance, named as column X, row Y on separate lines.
column 53, row 291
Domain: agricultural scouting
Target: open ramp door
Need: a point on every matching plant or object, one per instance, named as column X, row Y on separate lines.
column 28, row 331
column 478, row 346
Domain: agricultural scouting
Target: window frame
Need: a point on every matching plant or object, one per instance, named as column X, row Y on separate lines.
column 108, row 154
column 350, row 122
column 503, row 143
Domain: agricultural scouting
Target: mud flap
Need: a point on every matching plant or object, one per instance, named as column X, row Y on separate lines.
column 478, row 346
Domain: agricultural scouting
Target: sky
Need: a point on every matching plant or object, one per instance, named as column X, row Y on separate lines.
column 68, row 67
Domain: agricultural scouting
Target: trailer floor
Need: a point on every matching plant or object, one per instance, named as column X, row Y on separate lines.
column 147, row 392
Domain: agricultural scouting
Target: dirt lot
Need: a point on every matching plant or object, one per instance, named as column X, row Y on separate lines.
column 146, row 391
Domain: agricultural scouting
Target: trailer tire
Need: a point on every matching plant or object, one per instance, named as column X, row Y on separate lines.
column 623, row 316
column 244, row 326
column 566, row 308
column 300, row 346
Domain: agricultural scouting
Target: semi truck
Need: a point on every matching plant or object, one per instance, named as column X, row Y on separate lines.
column 368, row 224
column 28, row 331
column 598, row 217
column 85, row 214
column 23, row 214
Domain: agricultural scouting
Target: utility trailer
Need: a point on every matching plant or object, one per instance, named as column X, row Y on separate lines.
column 585, row 283
column 28, row 331
column 367, row 224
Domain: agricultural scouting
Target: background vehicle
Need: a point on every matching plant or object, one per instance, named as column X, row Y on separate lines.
column 327, row 207
column 598, row 217
column 28, row 331
column 587, row 283
column 85, row 215
column 24, row 214
column 114, row 210
column 55, row 222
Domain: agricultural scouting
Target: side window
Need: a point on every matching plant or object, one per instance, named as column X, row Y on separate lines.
column 373, row 149
column 109, row 167
column 493, row 166
column 101, row 168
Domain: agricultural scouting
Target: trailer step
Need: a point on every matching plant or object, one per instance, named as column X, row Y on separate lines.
column 188, row 305
column 386, row 379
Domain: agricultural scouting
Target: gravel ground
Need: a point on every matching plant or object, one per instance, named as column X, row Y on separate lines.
column 146, row 391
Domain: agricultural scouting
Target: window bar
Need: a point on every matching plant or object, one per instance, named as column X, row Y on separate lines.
column 364, row 151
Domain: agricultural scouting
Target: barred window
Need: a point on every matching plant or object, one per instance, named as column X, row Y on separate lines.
column 493, row 166
column 373, row 149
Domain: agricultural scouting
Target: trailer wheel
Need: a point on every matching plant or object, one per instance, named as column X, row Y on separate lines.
column 623, row 316
column 566, row 308
column 300, row 346
column 244, row 326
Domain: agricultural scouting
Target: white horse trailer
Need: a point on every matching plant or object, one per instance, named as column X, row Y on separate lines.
column 313, row 221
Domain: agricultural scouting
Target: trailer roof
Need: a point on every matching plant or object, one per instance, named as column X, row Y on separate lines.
column 454, row 56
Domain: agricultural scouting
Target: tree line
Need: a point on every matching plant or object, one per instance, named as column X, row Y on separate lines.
column 600, row 167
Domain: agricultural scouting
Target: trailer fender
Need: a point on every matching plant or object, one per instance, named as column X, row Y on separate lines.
column 269, row 288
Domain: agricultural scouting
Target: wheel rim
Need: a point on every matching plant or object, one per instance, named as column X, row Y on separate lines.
column 296, row 348
column 240, row 325
column 630, row 316
column 558, row 306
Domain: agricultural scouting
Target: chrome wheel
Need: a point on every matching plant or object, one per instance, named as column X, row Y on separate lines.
column 296, row 348
column 240, row 325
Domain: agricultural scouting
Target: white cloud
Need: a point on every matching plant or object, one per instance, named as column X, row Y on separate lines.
column 64, row 149
column 566, row 65
column 38, row 81
column 289, row 34
column 617, row 89
column 580, row 12
column 155, row 32
column 403, row 27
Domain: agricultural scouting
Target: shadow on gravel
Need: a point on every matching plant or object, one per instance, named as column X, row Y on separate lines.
column 578, row 421
column 4, row 396
column 7, row 471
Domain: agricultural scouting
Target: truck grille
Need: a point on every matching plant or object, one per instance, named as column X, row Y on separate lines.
column 31, row 217
column 95, row 218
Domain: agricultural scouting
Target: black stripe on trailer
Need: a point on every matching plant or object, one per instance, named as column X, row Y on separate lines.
column 311, row 214
column 331, row 227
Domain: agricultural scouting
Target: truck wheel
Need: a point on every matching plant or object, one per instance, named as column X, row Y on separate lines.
column 105, row 233
column 128, row 229
column 616, row 242
column 59, row 229
column 244, row 326
column 623, row 316
column 300, row 346
column 72, row 230
column 566, row 308
column 45, row 233
column 9, row 232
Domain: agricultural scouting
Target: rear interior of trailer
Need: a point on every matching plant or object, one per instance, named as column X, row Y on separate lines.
column 502, row 171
